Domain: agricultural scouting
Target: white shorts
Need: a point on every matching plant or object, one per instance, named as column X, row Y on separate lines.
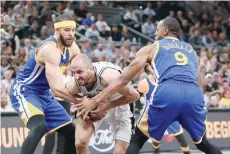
column 121, row 129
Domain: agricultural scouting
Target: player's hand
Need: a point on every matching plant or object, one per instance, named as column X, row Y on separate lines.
column 100, row 111
column 73, row 108
column 84, row 107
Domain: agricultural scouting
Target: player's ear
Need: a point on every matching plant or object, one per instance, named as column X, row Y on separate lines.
column 57, row 31
column 91, row 67
column 166, row 31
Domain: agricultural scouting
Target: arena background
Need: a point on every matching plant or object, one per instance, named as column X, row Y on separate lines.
column 114, row 31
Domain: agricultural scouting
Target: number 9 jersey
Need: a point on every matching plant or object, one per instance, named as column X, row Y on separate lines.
column 174, row 60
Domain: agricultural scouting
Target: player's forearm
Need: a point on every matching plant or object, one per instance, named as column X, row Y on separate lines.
column 121, row 101
column 109, row 91
column 65, row 95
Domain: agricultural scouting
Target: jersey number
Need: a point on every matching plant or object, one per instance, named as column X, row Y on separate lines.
column 181, row 59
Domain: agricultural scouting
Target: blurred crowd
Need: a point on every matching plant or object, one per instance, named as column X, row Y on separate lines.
column 25, row 24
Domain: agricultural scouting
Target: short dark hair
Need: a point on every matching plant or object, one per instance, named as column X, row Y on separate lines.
column 64, row 17
column 172, row 24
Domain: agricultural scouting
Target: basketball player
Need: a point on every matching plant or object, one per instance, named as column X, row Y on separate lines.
column 146, row 86
column 177, row 96
column 30, row 93
column 90, row 79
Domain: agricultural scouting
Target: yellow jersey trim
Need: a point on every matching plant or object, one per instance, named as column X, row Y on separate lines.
column 173, row 38
column 157, row 50
column 35, row 56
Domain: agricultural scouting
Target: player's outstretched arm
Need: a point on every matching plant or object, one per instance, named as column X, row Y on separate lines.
column 143, row 56
column 53, row 73
column 129, row 94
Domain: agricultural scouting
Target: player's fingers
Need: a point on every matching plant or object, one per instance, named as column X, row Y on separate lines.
column 73, row 109
column 79, row 99
column 79, row 105
column 79, row 113
column 85, row 115
column 94, row 111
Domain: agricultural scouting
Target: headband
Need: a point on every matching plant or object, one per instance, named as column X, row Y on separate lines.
column 65, row 24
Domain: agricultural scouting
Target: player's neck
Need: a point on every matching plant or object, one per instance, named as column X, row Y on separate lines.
column 171, row 35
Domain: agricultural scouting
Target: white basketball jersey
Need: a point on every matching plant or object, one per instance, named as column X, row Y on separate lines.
column 115, row 113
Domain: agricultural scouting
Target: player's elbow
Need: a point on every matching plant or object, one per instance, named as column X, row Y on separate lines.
column 134, row 95
column 56, row 91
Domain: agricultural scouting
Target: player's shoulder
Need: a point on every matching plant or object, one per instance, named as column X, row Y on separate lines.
column 50, row 48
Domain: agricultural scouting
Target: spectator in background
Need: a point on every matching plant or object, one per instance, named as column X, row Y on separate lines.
column 224, row 59
column 28, row 46
column 87, row 48
column 131, row 19
column 81, row 11
column 99, row 51
column 212, row 85
column 111, row 52
column 185, row 28
column 195, row 40
column 21, row 4
column 92, row 33
column 46, row 10
column 130, row 15
column 15, row 62
column 160, row 11
column 208, row 40
column 213, row 102
column 126, row 35
column 68, row 9
column 35, row 16
column 217, row 28
column 148, row 28
column 222, row 40
column 171, row 14
column 100, row 22
column 30, row 8
column 205, row 20
column 47, row 29
column 22, row 54
column 59, row 8
column 148, row 12
column 215, row 35
column 191, row 19
column 34, row 31
column 227, row 27
column 180, row 17
column 225, row 100
column 115, row 34
column 4, row 65
column 14, row 39
column 5, row 103
column 88, row 21
column 7, row 81
column 9, row 17
column 104, row 33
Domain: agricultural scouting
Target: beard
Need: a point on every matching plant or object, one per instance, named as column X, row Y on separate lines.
column 66, row 43
column 84, row 81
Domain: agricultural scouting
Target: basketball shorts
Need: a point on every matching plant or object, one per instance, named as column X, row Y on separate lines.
column 184, row 104
column 29, row 103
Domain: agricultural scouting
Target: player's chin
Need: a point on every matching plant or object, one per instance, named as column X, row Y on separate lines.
column 68, row 43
